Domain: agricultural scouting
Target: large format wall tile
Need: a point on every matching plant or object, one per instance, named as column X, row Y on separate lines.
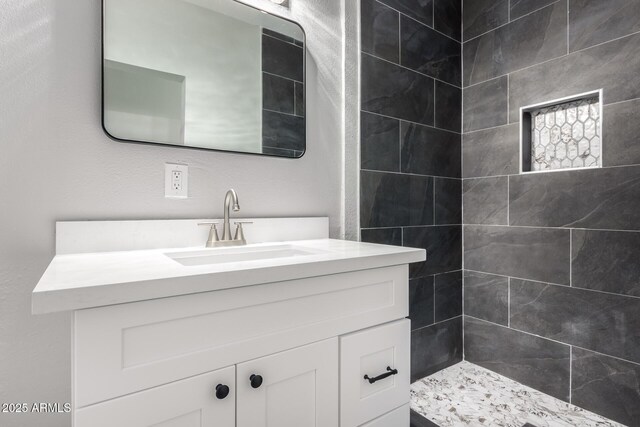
column 278, row 94
column 283, row 131
column 447, row 17
column 480, row 16
column 491, row 152
column 607, row 386
column 443, row 245
column 532, row 253
column 596, row 321
column 379, row 30
column 485, row 104
column 486, row 200
column 448, row 201
column 390, row 199
column 448, row 105
column 486, row 297
column 606, row 261
column 282, row 58
column 429, row 52
column 421, row 10
column 421, row 306
column 621, row 128
column 379, row 142
column 430, row 151
column 394, row 91
column 613, row 66
column 533, row 361
column 448, row 295
column 535, row 38
column 435, row 347
column 383, row 236
column 596, row 198
column 520, row 8
column 593, row 22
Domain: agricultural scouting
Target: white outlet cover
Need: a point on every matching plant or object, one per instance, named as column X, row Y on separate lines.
column 182, row 192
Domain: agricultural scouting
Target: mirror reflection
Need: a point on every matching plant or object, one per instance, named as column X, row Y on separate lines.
column 212, row 74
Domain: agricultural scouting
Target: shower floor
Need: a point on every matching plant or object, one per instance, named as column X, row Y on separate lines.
column 468, row 395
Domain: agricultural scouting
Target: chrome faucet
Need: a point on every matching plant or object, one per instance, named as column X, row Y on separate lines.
column 213, row 241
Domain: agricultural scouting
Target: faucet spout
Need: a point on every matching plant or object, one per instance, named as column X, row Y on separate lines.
column 231, row 197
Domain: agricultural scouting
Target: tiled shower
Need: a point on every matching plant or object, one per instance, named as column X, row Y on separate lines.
column 550, row 260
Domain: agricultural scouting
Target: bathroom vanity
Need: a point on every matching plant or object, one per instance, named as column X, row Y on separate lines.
column 292, row 330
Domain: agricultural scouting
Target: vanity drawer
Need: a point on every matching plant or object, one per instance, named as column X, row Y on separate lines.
column 382, row 354
column 126, row 348
column 196, row 401
column 400, row 417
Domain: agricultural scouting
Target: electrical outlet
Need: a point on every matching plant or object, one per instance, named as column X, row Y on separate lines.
column 176, row 181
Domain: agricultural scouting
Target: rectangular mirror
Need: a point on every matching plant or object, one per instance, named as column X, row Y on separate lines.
column 210, row 74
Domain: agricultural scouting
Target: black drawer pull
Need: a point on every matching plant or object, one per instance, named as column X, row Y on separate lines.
column 382, row 376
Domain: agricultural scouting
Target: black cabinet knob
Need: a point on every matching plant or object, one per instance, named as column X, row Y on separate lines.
column 222, row 391
column 256, row 381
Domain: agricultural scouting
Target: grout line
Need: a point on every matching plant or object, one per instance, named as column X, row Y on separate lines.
column 568, row 22
column 282, row 77
column 433, row 283
column 509, row 11
column 566, row 228
column 433, row 186
column 509, row 21
column 410, row 69
column 410, row 173
column 509, row 301
column 282, row 41
column 410, row 122
column 553, row 340
column 434, row 104
column 438, row 322
column 570, row 257
column 570, row 371
column 400, row 145
column 508, row 200
column 555, row 284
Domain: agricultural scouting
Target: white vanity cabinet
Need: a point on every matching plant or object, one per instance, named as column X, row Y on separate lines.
column 298, row 333
column 293, row 354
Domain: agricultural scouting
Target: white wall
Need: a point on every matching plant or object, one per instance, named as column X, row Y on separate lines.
column 57, row 164
column 219, row 56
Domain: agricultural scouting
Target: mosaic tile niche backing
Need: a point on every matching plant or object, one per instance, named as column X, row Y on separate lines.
column 566, row 136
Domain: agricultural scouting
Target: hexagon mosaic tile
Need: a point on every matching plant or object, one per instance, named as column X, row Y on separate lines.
column 567, row 136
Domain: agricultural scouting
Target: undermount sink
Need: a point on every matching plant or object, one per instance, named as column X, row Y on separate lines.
column 239, row 254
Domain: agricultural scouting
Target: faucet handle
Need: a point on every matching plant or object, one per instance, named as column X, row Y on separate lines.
column 239, row 233
column 213, row 232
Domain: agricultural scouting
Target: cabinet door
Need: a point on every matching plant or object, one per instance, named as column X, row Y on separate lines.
column 374, row 367
column 194, row 402
column 295, row 388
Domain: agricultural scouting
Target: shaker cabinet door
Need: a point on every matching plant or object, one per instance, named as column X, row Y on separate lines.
column 294, row 388
column 204, row 400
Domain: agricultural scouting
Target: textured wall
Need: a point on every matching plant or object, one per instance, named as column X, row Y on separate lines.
column 57, row 164
column 410, row 186
column 552, row 261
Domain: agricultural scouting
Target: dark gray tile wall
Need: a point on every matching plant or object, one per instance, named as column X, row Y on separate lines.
column 486, row 200
column 283, row 122
column 411, row 160
column 608, row 386
column 540, row 363
column 552, row 260
column 435, row 347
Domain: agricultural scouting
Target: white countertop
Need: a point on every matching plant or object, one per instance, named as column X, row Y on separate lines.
column 85, row 280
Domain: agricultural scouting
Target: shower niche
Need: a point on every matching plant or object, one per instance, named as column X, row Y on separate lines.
column 562, row 134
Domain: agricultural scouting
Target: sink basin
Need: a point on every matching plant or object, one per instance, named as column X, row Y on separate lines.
column 239, row 254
